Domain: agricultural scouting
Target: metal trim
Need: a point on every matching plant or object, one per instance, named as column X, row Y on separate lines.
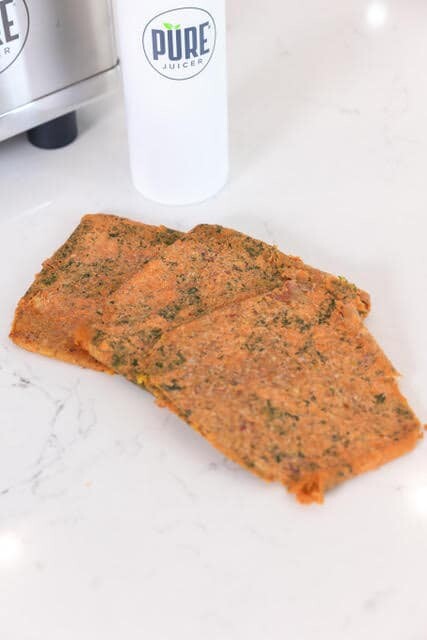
column 57, row 104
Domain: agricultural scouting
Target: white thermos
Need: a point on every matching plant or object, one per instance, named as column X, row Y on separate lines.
column 174, row 75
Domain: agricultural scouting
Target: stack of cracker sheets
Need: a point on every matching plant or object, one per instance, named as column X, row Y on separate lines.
column 267, row 358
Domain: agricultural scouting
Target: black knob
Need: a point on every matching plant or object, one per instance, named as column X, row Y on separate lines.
column 56, row 133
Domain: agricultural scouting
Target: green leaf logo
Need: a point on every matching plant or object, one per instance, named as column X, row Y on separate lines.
column 170, row 26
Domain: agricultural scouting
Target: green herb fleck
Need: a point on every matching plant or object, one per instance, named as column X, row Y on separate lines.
column 170, row 312
column 50, row 279
column 254, row 343
column 274, row 413
column 117, row 361
column 285, row 321
column 180, row 359
column 325, row 314
column 155, row 333
column 403, row 411
column 253, row 248
column 172, row 387
column 98, row 337
column 302, row 324
column 380, row 398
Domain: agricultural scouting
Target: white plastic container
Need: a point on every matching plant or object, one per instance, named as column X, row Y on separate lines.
column 174, row 74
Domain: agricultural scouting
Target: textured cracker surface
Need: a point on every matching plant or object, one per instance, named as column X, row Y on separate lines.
column 289, row 384
column 208, row 268
column 102, row 252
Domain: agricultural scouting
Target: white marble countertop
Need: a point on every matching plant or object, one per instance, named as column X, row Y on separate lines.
column 117, row 521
